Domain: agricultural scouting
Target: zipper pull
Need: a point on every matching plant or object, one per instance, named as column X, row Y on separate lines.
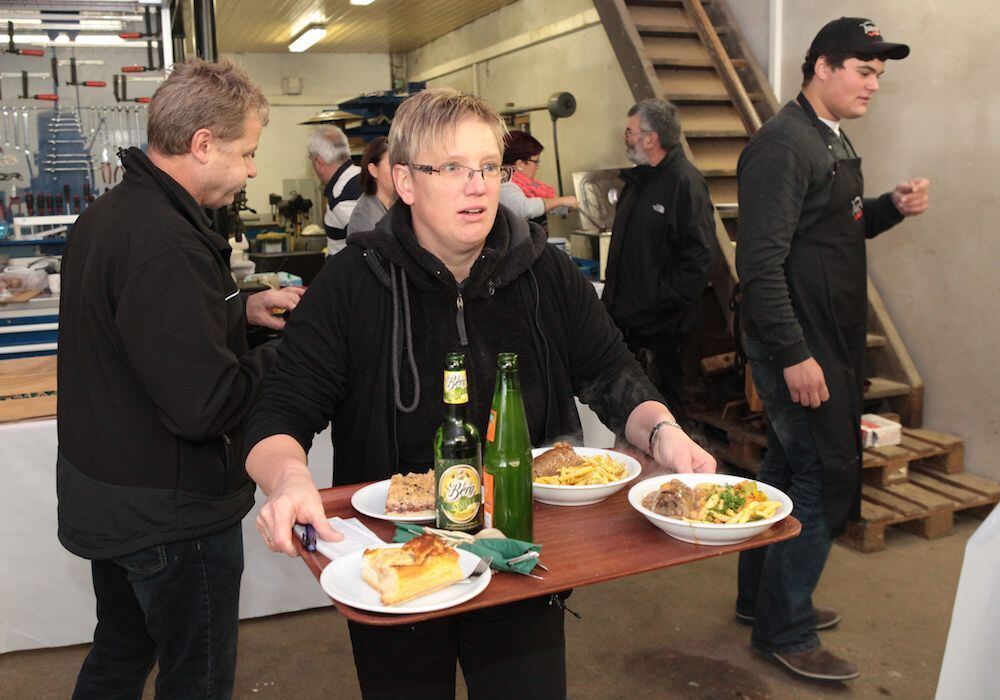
column 554, row 599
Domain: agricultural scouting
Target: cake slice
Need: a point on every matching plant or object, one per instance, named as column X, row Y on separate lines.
column 412, row 494
column 423, row 565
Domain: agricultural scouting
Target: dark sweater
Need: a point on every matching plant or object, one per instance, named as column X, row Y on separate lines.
column 784, row 187
column 337, row 362
column 154, row 374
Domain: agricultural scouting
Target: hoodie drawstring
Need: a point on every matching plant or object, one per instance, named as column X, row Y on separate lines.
column 408, row 339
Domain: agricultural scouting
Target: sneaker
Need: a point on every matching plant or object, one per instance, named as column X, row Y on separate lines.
column 817, row 663
column 825, row 618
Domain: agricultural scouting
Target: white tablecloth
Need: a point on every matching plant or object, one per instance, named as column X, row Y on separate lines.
column 46, row 597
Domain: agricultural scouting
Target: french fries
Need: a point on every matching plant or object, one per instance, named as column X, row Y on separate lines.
column 717, row 501
column 599, row 469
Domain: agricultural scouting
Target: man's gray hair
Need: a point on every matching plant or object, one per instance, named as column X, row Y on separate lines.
column 330, row 144
column 660, row 117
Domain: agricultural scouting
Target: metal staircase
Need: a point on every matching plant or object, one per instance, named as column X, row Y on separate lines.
column 692, row 53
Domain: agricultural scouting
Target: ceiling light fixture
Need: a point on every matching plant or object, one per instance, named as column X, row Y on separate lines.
column 362, row 2
column 307, row 37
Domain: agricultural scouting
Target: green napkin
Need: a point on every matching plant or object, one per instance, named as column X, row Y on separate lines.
column 499, row 551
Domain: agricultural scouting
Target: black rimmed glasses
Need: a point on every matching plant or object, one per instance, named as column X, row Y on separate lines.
column 629, row 133
column 454, row 172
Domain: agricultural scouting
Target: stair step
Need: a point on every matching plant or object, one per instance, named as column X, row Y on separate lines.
column 710, row 117
column 693, row 63
column 647, row 28
column 875, row 341
column 716, row 154
column 681, row 98
column 715, row 133
column 656, row 47
column 728, row 212
column 882, row 388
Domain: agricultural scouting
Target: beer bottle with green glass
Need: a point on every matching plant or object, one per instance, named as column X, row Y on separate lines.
column 507, row 503
column 458, row 466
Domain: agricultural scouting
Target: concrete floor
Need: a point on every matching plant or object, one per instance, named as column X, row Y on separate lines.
column 668, row 634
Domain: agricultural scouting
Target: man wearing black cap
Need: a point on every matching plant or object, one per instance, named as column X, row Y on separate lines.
column 801, row 262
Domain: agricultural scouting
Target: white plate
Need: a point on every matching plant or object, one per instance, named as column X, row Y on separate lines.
column 370, row 501
column 341, row 579
column 557, row 495
column 707, row 533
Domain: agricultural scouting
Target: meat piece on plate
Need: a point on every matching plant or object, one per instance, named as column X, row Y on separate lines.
column 674, row 499
column 550, row 462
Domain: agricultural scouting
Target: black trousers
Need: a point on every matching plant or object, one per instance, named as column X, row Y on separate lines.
column 660, row 358
column 509, row 651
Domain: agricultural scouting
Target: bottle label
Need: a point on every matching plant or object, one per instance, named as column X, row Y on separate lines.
column 460, row 493
column 456, row 387
column 487, row 500
column 491, row 429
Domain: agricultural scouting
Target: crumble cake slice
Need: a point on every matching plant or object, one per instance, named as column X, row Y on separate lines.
column 411, row 494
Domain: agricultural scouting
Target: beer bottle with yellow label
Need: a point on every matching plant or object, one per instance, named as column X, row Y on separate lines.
column 458, row 465
column 507, row 503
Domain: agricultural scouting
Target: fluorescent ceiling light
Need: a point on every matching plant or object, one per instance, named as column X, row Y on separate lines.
column 307, row 37
column 103, row 40
column 362, row 2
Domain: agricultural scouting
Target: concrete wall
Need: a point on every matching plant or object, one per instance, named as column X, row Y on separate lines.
column 581, row 62
column 327, row 79
column 936, row 116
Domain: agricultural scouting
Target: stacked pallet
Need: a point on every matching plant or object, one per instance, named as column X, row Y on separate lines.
column 919, row 484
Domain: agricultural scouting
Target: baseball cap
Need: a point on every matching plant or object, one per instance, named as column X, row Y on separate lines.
column 855, row 35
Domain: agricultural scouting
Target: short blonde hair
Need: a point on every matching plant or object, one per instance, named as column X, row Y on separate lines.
column 427, row 118
column 201, row 95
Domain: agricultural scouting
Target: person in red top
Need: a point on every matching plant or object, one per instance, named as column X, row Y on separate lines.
column 523, row 194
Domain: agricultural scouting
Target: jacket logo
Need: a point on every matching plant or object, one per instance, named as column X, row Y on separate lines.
column 857, row 208
column 870, row 29
column 658, row 208
column 234, row 294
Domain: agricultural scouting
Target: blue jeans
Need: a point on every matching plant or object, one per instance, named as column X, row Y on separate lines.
column 776, row 582
column 174, row 604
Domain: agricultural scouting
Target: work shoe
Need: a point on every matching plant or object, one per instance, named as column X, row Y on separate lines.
column 825, row 618
column 817, row 663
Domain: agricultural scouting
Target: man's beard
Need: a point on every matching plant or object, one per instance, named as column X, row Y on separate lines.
column 635, row 156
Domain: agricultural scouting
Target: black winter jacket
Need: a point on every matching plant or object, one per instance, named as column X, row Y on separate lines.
column 154, row 374
column 344, row 353
column 661, row 247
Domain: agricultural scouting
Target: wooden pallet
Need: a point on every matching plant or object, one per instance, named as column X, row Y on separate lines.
column 27, row 388
column 925, row 505
column 891, row 464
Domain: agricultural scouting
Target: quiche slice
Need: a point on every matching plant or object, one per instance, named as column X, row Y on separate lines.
column 423, row 565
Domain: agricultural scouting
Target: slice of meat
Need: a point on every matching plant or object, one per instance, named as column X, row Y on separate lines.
column 674, row 500
column 550, row 462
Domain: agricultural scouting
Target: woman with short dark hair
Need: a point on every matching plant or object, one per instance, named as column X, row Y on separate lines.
column 527, row 197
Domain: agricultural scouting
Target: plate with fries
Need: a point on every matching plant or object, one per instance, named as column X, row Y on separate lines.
column 719, row 515
column 601, row 474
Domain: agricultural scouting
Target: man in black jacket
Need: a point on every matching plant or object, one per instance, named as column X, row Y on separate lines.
column 154, row 382
column 661, row 247
column 801, row 261
column 447, row 270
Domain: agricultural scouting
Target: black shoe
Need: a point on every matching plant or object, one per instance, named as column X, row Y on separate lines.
column 817, row 663
column 825, row 618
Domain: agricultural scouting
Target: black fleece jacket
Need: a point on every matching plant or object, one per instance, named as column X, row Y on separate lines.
column 661, row 247
column 343, row 354
column 154, row 374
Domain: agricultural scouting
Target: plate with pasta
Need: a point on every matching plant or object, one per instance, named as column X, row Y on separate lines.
column 565, row 475
column 710, row 509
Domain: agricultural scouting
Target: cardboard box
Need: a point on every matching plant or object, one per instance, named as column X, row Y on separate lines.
column 877, row 431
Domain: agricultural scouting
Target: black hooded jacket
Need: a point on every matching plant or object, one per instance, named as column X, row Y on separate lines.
column 366, row 347
column 154, row 374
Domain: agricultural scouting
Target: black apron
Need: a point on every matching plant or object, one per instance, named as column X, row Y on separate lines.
column 828, row 283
